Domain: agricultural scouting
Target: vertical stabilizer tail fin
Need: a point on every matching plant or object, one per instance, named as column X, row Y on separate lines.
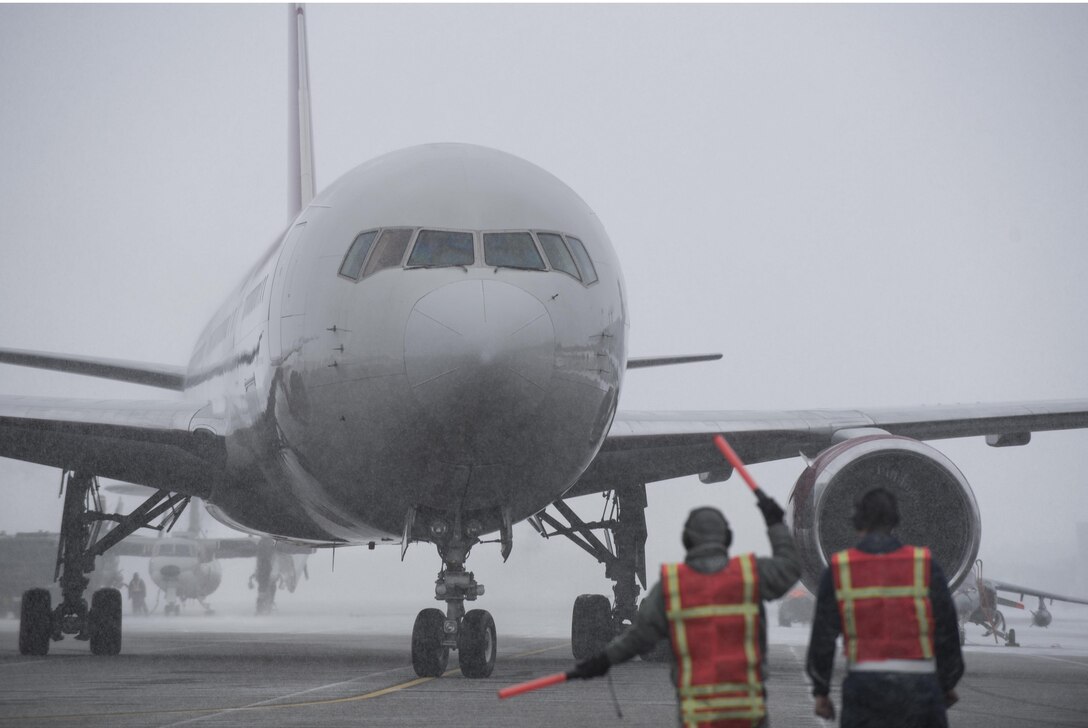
column 300, row 121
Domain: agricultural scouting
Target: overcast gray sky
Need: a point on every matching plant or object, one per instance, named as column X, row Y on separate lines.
column 857, row 205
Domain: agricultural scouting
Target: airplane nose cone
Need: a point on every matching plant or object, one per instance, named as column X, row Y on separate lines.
column 479, row 356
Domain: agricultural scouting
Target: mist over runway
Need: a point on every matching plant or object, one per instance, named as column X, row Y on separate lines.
column 344, row 668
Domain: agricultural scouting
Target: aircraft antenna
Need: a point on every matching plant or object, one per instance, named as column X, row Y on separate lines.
column 300, row 124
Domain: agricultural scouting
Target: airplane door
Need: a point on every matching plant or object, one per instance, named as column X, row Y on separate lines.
column 285, row 297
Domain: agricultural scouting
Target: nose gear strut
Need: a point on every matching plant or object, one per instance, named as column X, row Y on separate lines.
column 471, row 633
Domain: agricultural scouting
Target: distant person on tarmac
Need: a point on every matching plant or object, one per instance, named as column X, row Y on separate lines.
column 891, row 604
column 137, row 592
column 710, row 609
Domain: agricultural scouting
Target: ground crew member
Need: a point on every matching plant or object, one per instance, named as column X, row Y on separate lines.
column 137, row 592
column 900, row 635
column 710, row 609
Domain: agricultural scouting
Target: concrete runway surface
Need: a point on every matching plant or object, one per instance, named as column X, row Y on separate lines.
column 232, row 669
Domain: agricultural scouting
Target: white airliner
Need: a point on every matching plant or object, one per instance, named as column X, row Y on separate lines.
column 433, row 352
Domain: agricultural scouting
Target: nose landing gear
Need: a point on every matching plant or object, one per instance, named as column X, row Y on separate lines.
column 471, row 633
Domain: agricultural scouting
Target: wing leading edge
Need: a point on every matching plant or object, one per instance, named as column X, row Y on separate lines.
column 168, row 445
column 644, row 447
column 1022, row 591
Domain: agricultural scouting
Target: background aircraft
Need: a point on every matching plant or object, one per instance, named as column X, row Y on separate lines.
column 857, row 372
column 184, row 564
column 977, row 602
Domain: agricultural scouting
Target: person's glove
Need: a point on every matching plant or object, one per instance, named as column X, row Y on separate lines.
column 772, row 512
column 592, row 666
column 951, row 698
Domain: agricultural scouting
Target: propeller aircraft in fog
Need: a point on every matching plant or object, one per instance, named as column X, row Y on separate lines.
column 185, row 564
column 432, row 352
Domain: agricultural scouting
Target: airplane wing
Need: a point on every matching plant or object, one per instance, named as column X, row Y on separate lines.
column 1021, row 590
column 162, row 444
column 644, row 447
column 163, row 376
column 220, row 548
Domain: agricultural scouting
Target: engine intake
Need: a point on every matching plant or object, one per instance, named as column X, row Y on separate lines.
column 936, row 505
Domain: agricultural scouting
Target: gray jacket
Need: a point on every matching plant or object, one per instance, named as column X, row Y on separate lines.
column 777, row 573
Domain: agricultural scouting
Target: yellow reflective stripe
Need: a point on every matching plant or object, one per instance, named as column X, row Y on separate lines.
column 694, row 703
column 883, row 592
column 749, row 616
column 699, row 719
column 850, row 627
column 714, row 610
column 920, row 602
column 698, row 690
column 682, row 651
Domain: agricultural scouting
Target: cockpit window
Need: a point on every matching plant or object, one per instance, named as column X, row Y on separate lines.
column 353, row 261
column 557, row 253
column 442, row 248
column 512, row 250
column 589, row 273
column 389, row 250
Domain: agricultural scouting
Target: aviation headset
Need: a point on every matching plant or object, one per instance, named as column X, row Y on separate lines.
column 706, row 525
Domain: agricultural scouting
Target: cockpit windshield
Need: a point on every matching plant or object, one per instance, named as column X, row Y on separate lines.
column 557, row 253
column 512, row 250
column 376, row 250
column 442, row 248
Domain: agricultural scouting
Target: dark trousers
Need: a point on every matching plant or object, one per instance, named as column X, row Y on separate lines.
column 892, row 700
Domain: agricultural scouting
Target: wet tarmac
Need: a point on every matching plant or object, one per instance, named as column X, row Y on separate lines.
column 291, row 670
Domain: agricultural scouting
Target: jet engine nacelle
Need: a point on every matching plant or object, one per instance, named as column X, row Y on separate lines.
column 936, row 505
column 1042, row 617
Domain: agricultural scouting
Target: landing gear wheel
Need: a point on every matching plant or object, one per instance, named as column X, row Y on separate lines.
column 35, row 622
column 429, row 656
column 783, row 619
column 477, row 644
column 591, row 625
column 963, row 635
column 104, row 622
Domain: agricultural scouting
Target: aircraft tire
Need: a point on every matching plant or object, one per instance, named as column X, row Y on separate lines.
column 35, row 622
column 963, row 635
column 591, row 625
column 104, row 622
column 477, row 644
column 429, row 656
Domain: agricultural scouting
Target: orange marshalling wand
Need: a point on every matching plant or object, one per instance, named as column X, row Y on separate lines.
column 731, row 456
column 530, row 685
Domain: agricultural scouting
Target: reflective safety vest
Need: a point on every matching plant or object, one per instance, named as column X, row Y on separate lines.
column 714, row 625
column 884, row 604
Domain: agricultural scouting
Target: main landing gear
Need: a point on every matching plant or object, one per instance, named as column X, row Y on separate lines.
column 81, row 521
column 595, row 620
column 471, row 633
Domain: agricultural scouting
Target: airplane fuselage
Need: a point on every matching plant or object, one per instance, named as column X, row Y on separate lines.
column 465, row 371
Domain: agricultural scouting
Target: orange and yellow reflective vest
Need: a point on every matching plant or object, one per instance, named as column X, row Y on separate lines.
column 884, row 604
column 714, row 625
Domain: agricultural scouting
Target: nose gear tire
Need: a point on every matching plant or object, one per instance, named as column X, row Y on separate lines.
column 429, row 656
